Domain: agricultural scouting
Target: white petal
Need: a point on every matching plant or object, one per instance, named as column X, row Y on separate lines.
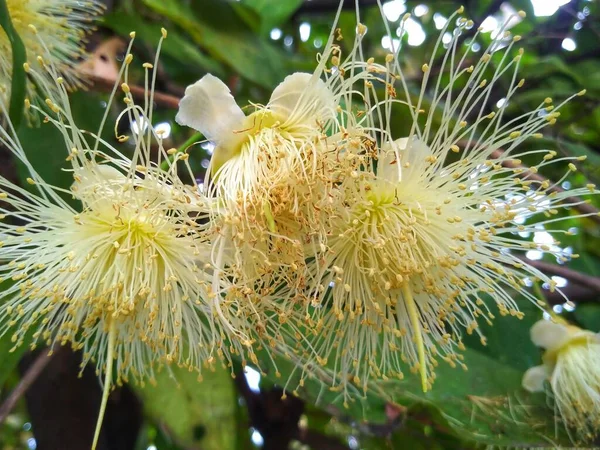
column 209, row 107
column 533, row 379
column 97, row 181
column 548, row 334
column 388, row 165
column 97, row 174
column 416, row 153
column 412, row 154
column 302, row 99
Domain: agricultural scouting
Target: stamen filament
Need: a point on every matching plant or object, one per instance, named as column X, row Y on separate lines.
column 112, row 332
column 418, row 332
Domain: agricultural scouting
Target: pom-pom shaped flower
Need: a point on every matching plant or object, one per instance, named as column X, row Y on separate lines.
column 269, row 179
column 572, row 367
column 424, row 226
column 116, row 277
column 60, row 25
column 124, row 276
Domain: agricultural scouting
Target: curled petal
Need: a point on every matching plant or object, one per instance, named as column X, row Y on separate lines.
column 389, row 165
column 302, row 99
column 209, row 107
column 549, row 335
column 96, row 178
column 533, row 379
column 412, row 154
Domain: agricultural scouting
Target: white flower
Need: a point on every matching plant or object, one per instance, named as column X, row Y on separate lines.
column 125, row 275
column 123, row 263
column 572, row 367
column 297, row 106
column 60, row 26
column 268, row 178
column 424, row 226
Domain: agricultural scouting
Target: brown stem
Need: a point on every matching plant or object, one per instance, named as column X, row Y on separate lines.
column 316, row 439
column 30, row 376
column 161, row 98
column 582, row 207
column 582, row 279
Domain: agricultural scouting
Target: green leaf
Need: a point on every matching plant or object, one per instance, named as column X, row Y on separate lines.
column 216, row 28
column 9, row 353
column 426, row 429
column 9, row 359
column 176, row 46
column 552, row 65
column 248, row 15
column 588, row 315
column 591, row 164
column 507, row 339
column 272, row 13
column 19, row 57
column 591, row 69
column 45, row 145
column 484, row 404
column 196, row 413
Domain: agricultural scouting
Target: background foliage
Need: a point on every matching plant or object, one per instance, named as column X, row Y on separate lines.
column 253, row 45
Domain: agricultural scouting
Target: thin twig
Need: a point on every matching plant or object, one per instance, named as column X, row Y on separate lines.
column 161, row 98
column 30, row 376
column 582, row 279
column 582, row 207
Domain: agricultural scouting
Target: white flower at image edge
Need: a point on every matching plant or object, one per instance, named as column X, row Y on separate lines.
column 572, row 366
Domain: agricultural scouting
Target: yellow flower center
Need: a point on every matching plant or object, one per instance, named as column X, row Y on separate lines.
column 21, row 12
column 405, row 230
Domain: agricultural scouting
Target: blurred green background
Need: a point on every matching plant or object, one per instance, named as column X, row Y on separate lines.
column 252, row 45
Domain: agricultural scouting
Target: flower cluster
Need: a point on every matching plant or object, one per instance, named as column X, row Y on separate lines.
column 386, row 243
column 571, row 365
column 321, row 232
